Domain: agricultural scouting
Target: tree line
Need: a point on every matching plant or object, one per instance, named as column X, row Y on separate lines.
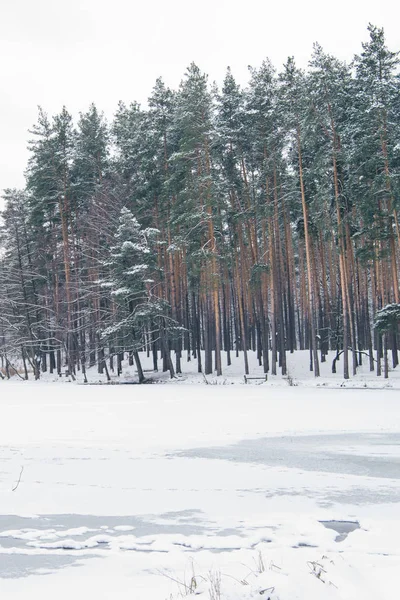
column 213, row 221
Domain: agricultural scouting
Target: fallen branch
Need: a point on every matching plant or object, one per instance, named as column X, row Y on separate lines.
column 205, row 379
column 19, row 479
column 351, row 350
column 13, row 368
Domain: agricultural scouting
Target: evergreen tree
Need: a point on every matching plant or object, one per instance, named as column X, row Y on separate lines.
column 129, row 283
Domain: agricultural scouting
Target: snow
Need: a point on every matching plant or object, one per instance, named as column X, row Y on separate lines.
column 136, row 270
column 156, row 491
column 128, row 245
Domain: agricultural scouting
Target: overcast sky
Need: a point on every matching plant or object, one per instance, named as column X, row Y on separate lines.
column 74, row 52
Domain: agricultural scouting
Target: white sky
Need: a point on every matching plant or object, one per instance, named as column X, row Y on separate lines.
column 74, row 52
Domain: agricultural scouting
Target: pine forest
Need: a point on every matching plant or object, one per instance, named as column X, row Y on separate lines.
column 217, row 220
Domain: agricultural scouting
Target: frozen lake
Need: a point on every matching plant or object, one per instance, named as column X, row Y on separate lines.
column 148, row 480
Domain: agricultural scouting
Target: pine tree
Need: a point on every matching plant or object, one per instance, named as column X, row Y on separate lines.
column 195, row 209
column 375, row 139
column 330, row 91
column 129, row 284
column 293, row 94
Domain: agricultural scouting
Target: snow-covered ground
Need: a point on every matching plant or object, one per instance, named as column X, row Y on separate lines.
column 232, row 492
column 298, row 365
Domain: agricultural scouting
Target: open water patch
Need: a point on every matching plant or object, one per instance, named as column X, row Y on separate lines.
column 45, row 543
column 349, row 454
column 342, row 528
column 13, row 566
